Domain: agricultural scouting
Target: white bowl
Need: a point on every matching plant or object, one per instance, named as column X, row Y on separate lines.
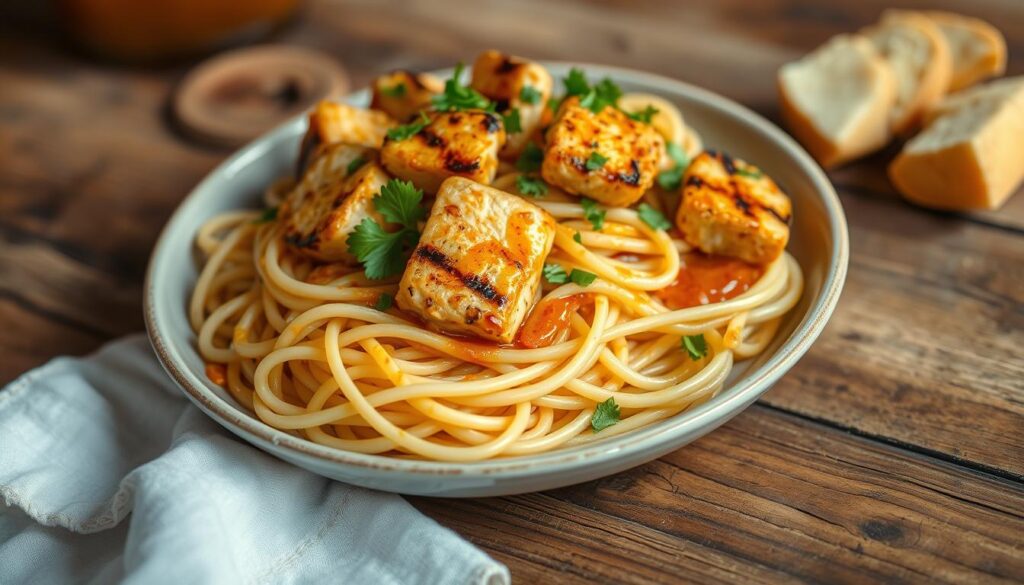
column 819, row 242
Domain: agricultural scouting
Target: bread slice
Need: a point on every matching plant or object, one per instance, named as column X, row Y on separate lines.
column 837, row 100
column 970, row 157
column 977, row 49
column 998, row 89
column 915, row 48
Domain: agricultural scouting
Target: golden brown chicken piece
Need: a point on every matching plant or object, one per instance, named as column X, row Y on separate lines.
column 514, row 83
column 730, row 207
column 324, row 208
column 331, row 122
column 464, row 144
column 605, row 156
column 403, row 94
column 479, row 261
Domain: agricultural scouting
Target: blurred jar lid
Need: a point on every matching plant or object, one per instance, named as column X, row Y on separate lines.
column 237, row 96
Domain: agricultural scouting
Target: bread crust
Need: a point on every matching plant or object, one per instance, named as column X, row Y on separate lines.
column 967, row 72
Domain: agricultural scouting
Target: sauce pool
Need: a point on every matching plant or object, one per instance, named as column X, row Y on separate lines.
column 547, row 321
column 704, row 279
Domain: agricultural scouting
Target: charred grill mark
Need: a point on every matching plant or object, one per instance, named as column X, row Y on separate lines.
column 784, row 219
column 454, row 119
column 728, row 163
column 431, row 138
column 310, row 142
column 694, row 181
column 301, row 241
column 507, row 64
column 490, row 123
column 742, row 204
column 633, row 176
column 477, row 284
column 456, row 164
column 579, row 164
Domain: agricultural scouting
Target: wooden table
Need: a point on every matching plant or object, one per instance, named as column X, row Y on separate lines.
column 893, row 452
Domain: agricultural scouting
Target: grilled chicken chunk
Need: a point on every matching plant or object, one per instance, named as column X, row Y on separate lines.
column 402, row 94
column 514, row 83
column 730, row 207
column 462, row 144
column 331, row 122
column 324, row 208
column 478, row 263
column 605, row 156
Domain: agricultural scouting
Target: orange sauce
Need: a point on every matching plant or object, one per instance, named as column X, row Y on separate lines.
column 548, row 321
column 217, row 374
column 705, row 279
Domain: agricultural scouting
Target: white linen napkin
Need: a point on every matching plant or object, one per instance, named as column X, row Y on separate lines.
column 109, row 474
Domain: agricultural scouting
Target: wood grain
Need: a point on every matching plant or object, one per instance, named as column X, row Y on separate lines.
column 892, row 452
column 768, row 497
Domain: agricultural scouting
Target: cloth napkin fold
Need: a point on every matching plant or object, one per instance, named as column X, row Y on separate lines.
column 109, row 474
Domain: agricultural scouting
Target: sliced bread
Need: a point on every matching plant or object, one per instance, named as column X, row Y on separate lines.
column 837, row 100
column 971, row 156
column 919, row 55
column 977, row 49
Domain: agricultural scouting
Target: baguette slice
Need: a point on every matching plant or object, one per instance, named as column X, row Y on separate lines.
column 837, row 100
column 998, row 89
column 915, row 48
column 971, row 157
column 977, row 49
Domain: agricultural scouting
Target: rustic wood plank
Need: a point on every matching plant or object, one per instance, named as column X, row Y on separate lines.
column 769, row 496
column 925, row 346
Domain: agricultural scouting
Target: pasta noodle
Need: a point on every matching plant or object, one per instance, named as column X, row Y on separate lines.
column 315, row 359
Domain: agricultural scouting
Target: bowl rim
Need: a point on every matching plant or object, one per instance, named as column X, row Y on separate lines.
column 706, row 416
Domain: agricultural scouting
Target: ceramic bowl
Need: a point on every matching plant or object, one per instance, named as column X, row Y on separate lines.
column 819, row 242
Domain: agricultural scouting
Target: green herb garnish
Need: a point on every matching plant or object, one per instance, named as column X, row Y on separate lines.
column 532, row 186
column 578, row 238
column 605, row 415
column 696, row 346
column 555, row 274
column 383, row 253
column 644, row 115
column 596, row 161
column 396, row 91
column 672, row 179
column 592, row 213
column 409, row 130
column 582, row 277
column 652, row 217
column 269, row 214
column 530, row 159
column 459, row 97
column 355, row 165
column 511, row 121
column 384, row 302
column 529, row 94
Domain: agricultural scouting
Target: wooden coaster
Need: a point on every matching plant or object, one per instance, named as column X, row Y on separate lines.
column 237, row 96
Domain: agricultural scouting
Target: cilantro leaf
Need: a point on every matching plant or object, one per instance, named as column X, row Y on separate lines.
column 578, row 238
column 531, row 157
column 459, row 97
column 582, row 277
column 596, row 161
column 645, row 115
column 355, row 165
column 383, row 254
column 605, row 415
column 269, row 214
column 696, row 346
column 529, row 94
column 553, row 104
column 511, row 121
column 396, row 91
column 532, row 186
column 409, row 130
column 652, row 217
column 592, row 213
column 752, row 174
column 399, row 202
column 383, row 302
column 576, row 82
column 677, row 154
column 555, row 274
column 672, row 179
